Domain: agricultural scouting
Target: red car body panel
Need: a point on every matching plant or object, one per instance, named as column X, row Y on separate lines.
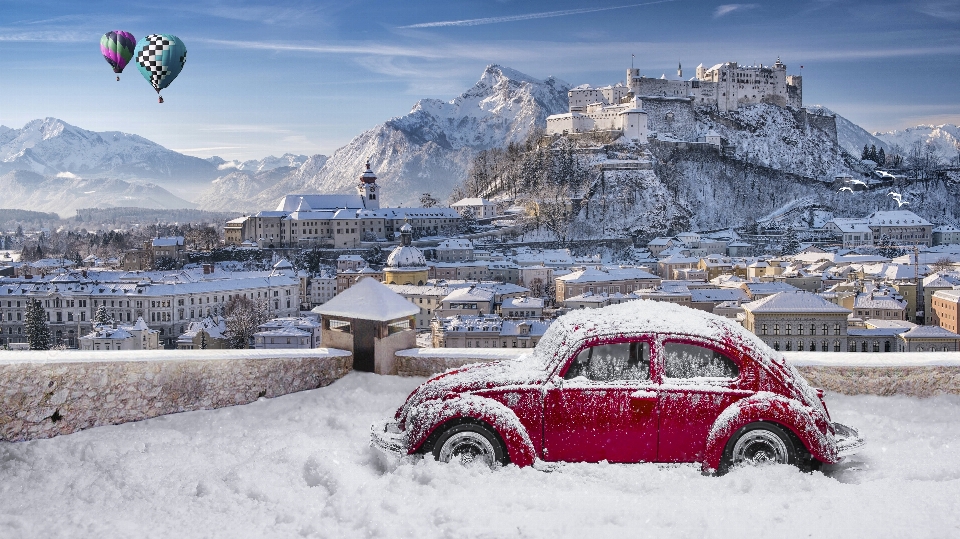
column 540, row 415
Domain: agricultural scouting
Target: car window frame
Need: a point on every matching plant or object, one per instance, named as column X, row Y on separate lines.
column 649, row 339
column 732, row 354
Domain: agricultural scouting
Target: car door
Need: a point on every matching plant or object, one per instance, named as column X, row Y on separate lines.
column 604, row 408
column 699, row 381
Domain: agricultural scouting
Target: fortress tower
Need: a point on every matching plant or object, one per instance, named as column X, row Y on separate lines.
column 367, row 189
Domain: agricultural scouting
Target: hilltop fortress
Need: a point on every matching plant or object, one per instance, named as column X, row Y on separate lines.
column 666, row 105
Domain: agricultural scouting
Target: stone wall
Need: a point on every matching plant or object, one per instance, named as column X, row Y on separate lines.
column 45, row 394
column 912, row 381
column 430, row 361
column 914, row 374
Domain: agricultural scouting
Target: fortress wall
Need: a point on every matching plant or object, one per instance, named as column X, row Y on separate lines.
column 683, row 124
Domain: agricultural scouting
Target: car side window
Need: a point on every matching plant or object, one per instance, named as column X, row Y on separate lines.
column 692, row 361
column 612, row 362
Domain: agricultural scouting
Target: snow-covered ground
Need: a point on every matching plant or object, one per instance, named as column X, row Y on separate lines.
column 299, row 465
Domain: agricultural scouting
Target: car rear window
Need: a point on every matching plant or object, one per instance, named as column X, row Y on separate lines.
column 612, row 362
column 692, row 361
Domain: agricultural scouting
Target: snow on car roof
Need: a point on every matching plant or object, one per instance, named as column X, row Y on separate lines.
column 643, row 316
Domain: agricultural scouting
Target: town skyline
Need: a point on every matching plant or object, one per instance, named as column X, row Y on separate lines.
column 308, row 77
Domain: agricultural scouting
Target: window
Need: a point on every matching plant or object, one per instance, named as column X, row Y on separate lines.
column 610, row 362
column 800, row 332
column 836, row 329
column 692, row 361
column 789, row 331
column 776, row 329
column 763, row 329
column 824, row 331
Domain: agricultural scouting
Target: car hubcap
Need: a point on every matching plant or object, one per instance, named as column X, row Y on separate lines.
column 466, row 448
column 760, row 447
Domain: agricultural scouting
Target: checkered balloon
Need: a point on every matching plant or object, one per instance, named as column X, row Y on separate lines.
column 160, row 58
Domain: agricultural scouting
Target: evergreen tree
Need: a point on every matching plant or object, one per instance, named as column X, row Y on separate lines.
column 203, row 339
column 881, row 156
column 38, row 333
column 866, row 152
column 873, row 153
column 19, row 231
column 100, row 318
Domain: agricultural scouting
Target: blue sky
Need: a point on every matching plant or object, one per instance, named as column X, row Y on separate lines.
column 305, row 77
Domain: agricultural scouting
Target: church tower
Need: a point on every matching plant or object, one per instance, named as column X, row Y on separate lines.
column 368, row 189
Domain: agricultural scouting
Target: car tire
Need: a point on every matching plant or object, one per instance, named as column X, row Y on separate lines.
column 758, row 444
column 470, row 442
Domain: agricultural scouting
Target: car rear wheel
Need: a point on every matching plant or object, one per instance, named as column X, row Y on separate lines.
column 759, row 444
column 470, row 443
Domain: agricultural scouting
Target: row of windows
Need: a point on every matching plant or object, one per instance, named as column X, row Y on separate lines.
column 788, row 328
column 824, row 346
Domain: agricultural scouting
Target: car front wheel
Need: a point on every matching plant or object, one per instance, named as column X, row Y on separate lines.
column 468, row 443
column 758, row 444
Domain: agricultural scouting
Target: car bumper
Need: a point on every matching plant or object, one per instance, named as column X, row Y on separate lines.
column 849, row 441
column 392, row 443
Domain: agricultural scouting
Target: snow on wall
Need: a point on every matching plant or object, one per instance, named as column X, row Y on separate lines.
column 45, row 394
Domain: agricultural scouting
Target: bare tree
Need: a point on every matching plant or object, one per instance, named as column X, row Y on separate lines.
column 243, row 318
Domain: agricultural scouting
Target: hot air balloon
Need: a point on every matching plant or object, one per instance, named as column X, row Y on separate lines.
column 117, row 49
column 160, row 58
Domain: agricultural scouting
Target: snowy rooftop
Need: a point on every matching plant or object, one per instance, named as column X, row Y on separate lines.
column 524, row 302
column 470, row 294
column 368, row 299
column 794, row 302
column 930, row 332
column 170, row 241
column 896, row 218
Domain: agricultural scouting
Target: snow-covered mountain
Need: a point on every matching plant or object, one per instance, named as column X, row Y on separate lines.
column 65, row 193
column 51, row 146
column 851, row 136
column 261, row 165
column 945, row 138
column 428, row 149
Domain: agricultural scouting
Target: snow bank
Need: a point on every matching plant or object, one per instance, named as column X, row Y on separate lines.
column 301, row 466
column 44, row 394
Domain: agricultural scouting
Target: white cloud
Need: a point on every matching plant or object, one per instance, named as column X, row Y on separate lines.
column 66, row 175
column 527, row 16
column 727, row 9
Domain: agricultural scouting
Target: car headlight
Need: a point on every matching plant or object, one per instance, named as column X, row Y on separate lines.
column 392, row 428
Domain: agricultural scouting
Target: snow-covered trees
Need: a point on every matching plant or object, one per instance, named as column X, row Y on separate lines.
column 38, row 332
column 243, row 318
column 101, row 318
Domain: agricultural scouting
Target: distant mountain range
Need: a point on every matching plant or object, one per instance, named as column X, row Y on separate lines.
column 427, row 150
column 50, row 165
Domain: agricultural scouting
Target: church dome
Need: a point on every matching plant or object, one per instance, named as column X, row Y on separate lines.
column 406, row 256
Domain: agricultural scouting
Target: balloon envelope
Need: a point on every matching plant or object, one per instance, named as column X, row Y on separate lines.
column 117, row 48
column 160, row 58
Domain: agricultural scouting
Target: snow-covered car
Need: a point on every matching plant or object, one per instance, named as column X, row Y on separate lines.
column 642, row 381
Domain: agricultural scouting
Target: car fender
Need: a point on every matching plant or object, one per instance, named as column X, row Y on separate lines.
column 424, row 419
column 765, row 406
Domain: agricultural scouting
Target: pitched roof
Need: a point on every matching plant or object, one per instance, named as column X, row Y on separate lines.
column 368, row 299
column 797, row 301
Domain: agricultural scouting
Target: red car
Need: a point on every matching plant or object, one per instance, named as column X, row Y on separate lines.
column 642, row 381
